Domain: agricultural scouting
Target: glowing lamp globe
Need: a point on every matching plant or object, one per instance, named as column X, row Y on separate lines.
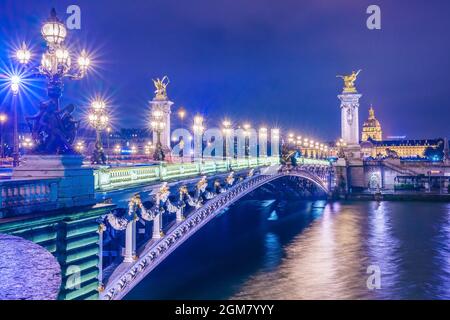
column 98, row 105
column 84, row 61
column 15, row 82
column 53, row 31
column 23, row 55
column 63, row 56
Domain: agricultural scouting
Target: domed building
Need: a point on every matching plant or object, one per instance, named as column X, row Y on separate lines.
column 373, row 145
column 372, row 128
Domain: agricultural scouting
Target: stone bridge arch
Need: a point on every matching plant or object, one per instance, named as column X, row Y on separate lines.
column 130, row 274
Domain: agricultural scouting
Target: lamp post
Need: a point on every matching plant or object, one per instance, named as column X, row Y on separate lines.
column 79, row 146
column 227, row 138
column 158, row 126
column 108, row 133
column 56, row 62
column 341, row 144
column 15, row 86
column 291, row 139
column 198, row 137
column 3, row 119
column 98, row 119
column 247, row 127
column 182, row 115
column 262, row 142
column 55, row 65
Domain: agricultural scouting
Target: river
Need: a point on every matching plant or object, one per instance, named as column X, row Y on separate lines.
column 311, row 250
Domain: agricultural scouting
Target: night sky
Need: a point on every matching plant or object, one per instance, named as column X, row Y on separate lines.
column 264, row 61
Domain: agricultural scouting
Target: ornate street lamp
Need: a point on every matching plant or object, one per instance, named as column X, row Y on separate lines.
column 3, row 119
column 108, row 136
column 158, row 126
column 341, row 144
column 198, row 137
column 15, row 82
column 247, row 128
column 79, row 146
column 227, row 131
column 55, row 65
column 99, row 120
column 182, row 115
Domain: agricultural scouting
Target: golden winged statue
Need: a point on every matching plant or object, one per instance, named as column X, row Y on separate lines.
column 161, row 87
column 349, row 81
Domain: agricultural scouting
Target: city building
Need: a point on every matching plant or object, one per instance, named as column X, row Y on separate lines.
column 399, row 148
column 372, row 128
column 373, row 145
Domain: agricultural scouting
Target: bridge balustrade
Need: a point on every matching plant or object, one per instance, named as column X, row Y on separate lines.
column 110, row 178
column 24, row 196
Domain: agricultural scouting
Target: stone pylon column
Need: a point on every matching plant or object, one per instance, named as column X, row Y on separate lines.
column 164, row 106
column 350, row 117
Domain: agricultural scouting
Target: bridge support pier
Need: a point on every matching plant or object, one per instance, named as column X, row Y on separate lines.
column 157, row 224
column 130, row 242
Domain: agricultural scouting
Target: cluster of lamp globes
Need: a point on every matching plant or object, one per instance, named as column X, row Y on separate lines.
column 57, row 59
column 341, row 143
column 228, row 130
column 157, row 122
column 98, row 117
column 306, row 143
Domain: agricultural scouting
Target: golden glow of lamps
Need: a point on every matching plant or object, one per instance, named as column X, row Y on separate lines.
column 182, row 113
column 227, row 142
column 198, row 140
column 99, row 120
column 198, row 124
column 226, row 127
column 23, row 55
column 276, row 133
column 27, row 143
column 246, row 127
column 56, row 61
column 158, row 125
column 3, row 119
column 15, row 84
column 148, row 147
column 53, row 30
column 79, row 146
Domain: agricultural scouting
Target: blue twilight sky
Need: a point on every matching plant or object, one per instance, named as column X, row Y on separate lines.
column 264, row 61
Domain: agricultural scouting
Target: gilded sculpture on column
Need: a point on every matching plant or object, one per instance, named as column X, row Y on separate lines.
column 161, row 88
column 349, row 81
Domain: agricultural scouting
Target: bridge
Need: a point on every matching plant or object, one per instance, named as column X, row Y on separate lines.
column 136, row 216
column 206, row 205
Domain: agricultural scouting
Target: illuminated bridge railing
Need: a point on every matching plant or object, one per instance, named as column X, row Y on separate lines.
column 317, row 162
column 112, row 178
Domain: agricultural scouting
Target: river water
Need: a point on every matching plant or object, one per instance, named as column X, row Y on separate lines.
column 311, row 250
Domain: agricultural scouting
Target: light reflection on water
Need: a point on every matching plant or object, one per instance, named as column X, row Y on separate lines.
column 312, row 252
